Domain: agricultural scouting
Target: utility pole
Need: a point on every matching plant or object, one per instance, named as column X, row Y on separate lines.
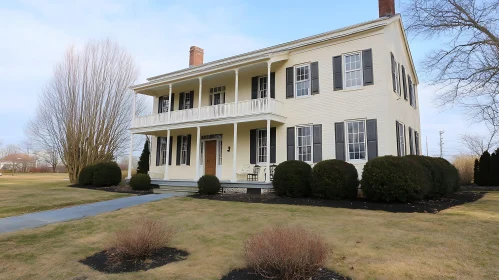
column 426, row 145
column 441, row 132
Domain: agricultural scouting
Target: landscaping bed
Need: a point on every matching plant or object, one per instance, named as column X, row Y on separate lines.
column 424, row 206
column 116, row 189
column 248, row 274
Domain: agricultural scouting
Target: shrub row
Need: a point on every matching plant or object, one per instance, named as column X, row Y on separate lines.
column 100, row 174
column 486, row 169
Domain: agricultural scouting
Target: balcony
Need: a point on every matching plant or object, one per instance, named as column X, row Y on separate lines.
column 229, row 112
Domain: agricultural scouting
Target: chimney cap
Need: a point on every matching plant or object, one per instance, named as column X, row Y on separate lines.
column 386, row 8
column 196, row 55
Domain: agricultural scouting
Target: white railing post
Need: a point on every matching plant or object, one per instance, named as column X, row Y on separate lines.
column 167, row 160
column 234, row 155
column 199, row 96
column 268, row 85
column 170, row 103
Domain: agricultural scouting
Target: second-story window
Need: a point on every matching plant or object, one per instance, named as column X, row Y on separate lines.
column 217, row 95
column 165, row 105
column 187, row 101
column 262, row 87
column 302, row 80
column 183, row 150
column 353, row 70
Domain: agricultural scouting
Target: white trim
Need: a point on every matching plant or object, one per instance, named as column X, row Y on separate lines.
column 347, row 153
column 297, row 157
column 218, row 170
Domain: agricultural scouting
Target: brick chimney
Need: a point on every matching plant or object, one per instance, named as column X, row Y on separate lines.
column 386, row 8
column 195, row 56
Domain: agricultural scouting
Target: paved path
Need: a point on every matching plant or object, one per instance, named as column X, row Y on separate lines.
column 37, row 219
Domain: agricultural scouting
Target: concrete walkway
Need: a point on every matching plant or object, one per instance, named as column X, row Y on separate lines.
column 38, row 219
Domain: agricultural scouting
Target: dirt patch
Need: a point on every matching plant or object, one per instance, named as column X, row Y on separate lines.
column 117, row 189
column 249, row 274
column 424, row 206
column 102, row 261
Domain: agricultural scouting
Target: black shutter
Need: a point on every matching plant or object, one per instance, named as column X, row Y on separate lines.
column 411, row 149
column 170, row 151
column 410, row 89
column 290, row 82
column 398, row 138
column 272, row 144
column 317, row 142
column 272, row 85
column 291, row 142
column 179, row 146
column 416, row 141
column 414, row 95
column 394, row 82
column 254, row 88
column 253, row 146
column 404, row 82
column 372, row 139
column 188, row 162
column 314, row 75
column 192, row 98
column 172, row 108
column 337, row 76
column 339, row 139
column 367, row 61
column 158, row 147
column 160, row 104
column 181, row 101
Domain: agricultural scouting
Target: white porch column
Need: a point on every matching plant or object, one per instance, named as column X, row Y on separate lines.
column 130, row 157
column 237, row 87
column 268, row 87
column 169, row 103
column 198, row 149
column 199, row 96
column 267, row 178
column 167, row 161
column 234, row 155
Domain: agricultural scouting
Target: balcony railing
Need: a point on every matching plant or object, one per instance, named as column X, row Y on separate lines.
column 226, row 110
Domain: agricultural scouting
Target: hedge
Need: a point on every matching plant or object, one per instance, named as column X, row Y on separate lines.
column 100, row 174
column 334, row 179
column 141, row 181
column 292, row 178
column 86, row 175
column 209, row 184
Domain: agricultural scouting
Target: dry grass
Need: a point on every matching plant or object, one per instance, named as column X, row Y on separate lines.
column 140, row 240
column 25, row 193
column 458, row 243
column 465, row 165
column 286, row 253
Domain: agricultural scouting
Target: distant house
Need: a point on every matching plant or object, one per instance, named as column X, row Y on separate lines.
column 18, row 161
column 347, row 94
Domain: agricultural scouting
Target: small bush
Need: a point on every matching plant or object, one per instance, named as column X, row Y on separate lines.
column 209, row 184
column 86, row 175
column 141, row 240
column 435, row 173
column 451, row 176
column 286, row 253
column 292, row 178
column 465, row 165
column 106, row 174
column 334, row 179
column 390, row 178
column 141, row 181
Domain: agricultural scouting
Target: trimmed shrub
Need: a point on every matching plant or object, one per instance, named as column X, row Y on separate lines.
column 476, row 172
column 143, row 164
column 141, row 181
column 209, row 184
column 435, row 173
column 334, row 179
column 464, row 165
column 292, row 178
column 494, row 169
column 286, row 253
column 484, row 170
column 451, row 176
column 390, row 178
column 141, row 240
column 106, row 174
column 86, row 175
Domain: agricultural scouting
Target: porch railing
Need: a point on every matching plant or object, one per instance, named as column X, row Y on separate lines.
column 225, row 110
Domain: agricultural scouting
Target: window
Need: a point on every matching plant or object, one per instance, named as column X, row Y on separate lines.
column 187, row 100
column 401, row 138
column 397, row 78
column 353, row 70
column 302, row 81
column 262, row 87
column 183, row 149
column 416, row 141
column 220, row 147
column 304, row 140
column 399, row 84
column 413, row 95
column 162, row 151
column 217, row 95
column 356, row 140
column 261, row 145
column 165, row 104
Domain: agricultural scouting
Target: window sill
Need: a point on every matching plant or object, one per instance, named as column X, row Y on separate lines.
column 358, row 161
column 352, row 89
column 303, row 96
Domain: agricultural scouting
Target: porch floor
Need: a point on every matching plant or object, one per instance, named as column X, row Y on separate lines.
column 224, row 183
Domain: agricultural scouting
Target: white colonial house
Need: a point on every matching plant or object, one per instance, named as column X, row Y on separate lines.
column 348, row 94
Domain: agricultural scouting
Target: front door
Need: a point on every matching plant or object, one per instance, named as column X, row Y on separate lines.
column 210, row 157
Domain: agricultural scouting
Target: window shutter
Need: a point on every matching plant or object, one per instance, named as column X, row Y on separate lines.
column 339, row 131
column 410, row 90
column 290, row 139
column 188, row 162
column 317, row 142
column 367, row 61
column 372, row 138
column 253, row 146
column 337, row 73
column 254, row 88
column 289, row 82
column 179, row 145
column 414, row 95
column 404, row 82
column 158, row 147
column 192, row 98
column 416, row 141
column 181, row 101
column 170, row 151
column 272, row 144
column 160, row 104
column 172, row 102
column 394, row 82
column 272, row 85
column 398, row 138
column 314, row 75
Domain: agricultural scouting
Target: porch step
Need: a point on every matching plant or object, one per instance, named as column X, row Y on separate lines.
column 168, row 189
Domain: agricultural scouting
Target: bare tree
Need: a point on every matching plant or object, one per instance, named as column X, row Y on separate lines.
column 466, row 65
column 85, row 111
column 49, row 156
column 477, row 144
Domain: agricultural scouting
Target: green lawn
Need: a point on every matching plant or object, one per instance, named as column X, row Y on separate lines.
column 25, row 193
column 458, row 243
